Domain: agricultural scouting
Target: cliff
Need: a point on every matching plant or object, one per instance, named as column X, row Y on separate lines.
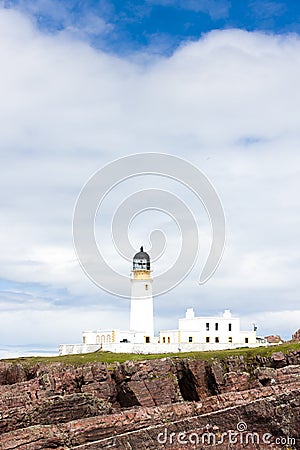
column 296, row 336
column 165, row 403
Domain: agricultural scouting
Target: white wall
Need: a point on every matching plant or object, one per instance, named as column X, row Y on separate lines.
column 154, row 348
column 101, row 337
column 169, row 335
column 196, row 328
column 97, row 337
column 251, row 335
column 141, row 309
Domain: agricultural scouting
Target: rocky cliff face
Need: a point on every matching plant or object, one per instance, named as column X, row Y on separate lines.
column 296, row 336
column 273, row 339
column 167, row 403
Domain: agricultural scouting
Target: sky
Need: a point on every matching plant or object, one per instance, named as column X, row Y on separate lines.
column 84, row 83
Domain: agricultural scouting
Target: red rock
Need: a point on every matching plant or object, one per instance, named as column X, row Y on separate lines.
column 273, row 339
column 128, row 405
column 296, row 336
column 278, row 359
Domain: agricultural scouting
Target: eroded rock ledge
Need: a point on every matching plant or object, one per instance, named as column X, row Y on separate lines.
column 138, row 405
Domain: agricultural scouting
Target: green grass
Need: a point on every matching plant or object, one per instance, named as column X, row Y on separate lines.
column 110, row 358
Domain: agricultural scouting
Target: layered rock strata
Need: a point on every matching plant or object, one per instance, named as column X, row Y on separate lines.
column 165, row 403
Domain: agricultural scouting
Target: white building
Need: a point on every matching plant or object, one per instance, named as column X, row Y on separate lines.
column 208, row 330
column 193, row 333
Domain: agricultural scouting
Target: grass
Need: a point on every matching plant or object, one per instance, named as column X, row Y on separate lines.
column 110, row 358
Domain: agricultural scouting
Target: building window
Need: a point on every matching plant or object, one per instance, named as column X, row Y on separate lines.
column 102, row 339
column 147, row 339
column 216, row 326
column 207, row 339
column 84, row 339
column 207, row 327
column 146, row 287
column 216, row 339
column 230, row 340
column 190, row 338
column 108, row 338
column 97, row 339
column 246, row 340
column 164, row 340
column 229, row 327
column 169, row 340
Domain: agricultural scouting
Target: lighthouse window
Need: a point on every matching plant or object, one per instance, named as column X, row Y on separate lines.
column 146, row 287
column 229, row 327
column 216, row 326
column 207, row 327
column 246, row 340
column 217, row 340
column 190, row 338
column 141, row 264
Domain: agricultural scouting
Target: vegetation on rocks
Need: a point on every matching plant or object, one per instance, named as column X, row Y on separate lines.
column 110, row 358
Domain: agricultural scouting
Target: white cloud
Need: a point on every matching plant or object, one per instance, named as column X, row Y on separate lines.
column 229, row 103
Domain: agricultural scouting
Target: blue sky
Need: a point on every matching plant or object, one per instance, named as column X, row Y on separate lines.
column 160, row 25
column 83, row 83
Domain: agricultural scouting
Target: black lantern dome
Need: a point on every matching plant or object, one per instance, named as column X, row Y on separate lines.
column 141, row 260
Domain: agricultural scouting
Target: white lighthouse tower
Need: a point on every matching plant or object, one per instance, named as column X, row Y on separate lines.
column 141, row 308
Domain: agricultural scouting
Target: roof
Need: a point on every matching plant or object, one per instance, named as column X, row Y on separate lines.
column 142, row 255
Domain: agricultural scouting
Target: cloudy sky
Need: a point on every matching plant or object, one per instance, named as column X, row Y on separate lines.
column 84, row 83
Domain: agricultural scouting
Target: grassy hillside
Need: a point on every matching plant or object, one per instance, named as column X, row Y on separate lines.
column 122, row 357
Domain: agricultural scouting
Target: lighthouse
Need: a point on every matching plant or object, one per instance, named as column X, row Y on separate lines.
column 141, row 307
column 194, row 333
